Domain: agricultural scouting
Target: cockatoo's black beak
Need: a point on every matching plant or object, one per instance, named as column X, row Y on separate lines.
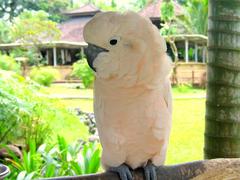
column 91, row 53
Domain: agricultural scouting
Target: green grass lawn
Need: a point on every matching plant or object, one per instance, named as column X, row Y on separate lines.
column 69, row 127
column 71, row 89
column 84, row 104
column 188, row 91
column 186, row 141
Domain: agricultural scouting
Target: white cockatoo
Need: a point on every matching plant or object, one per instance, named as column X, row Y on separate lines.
column 132, row 92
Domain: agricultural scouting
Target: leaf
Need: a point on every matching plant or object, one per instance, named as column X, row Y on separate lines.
column 25, row 160
column 94, row 161
column 30, row 176
column 42, row 148
column 21, row 175
column 32, row 147
column 15, row 164
column 86, row 149
column 32, row 154
column 11, row 153
column 50, row 170
column 63, row 148
column 76, row 167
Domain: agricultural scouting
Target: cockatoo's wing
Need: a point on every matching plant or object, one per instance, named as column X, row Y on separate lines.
column 168, row 95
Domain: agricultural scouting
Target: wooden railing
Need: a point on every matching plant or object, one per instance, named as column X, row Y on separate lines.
column 217, row 169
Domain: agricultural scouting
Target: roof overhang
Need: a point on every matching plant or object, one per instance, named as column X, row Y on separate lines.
column 196, row 38
column 92, row 13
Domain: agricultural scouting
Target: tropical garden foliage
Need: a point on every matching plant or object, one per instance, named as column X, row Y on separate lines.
column 4, row 32
column 195, row 19
column 82, row 71
column 31, row 28
column 61, row 159
column 29, row 118
column 27, row 113
column 44, row 75
column 10, row 9
column 8, row 63
column 34, row 27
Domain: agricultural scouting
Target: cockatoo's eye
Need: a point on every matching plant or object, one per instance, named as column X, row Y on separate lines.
column 113, row 41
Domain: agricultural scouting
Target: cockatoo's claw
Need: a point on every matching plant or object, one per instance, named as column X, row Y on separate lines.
column 123, row 171
column 150, row 172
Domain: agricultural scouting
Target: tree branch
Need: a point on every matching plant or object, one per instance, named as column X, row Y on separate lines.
column 199, row 170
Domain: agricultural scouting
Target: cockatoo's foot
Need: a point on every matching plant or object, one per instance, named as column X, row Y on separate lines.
column 123, row 171
column 150, row 171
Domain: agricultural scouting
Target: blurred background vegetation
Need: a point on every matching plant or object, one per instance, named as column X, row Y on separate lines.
column 52, row 125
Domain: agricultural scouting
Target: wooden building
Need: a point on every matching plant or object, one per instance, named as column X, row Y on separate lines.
column 192, row 54
column 71, row 45
column 55, row 52
column 191, row 47
column 63, row 53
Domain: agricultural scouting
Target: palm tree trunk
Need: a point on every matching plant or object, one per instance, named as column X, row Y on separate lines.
column 222, row 129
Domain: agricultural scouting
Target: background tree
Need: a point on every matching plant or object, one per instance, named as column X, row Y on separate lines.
column 31, row 28
column 54, row 7
column 4, row 32
column 167, row 17
column 101, row 4
column 195, row 19
column 184, row 2
column 10, row 9
column 109, row 6
column 137, row 5
column 222, row 131
column 34, row 27
column 168, row 29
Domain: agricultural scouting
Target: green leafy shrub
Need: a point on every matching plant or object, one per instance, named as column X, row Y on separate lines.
column 5, row 32
column 60, row 160
column 26, row 113
column 29, row 118
column 22, row 111
column 76, row 159
column 89, row 159
column 8, row 63
column 84, row 72
column 27, row 167
column 11, row 110
column 44, row 75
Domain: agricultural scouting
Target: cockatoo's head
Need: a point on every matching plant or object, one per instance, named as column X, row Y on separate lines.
column 125, row 47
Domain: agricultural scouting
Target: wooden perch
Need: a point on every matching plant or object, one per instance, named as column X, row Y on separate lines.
column 216, row 169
